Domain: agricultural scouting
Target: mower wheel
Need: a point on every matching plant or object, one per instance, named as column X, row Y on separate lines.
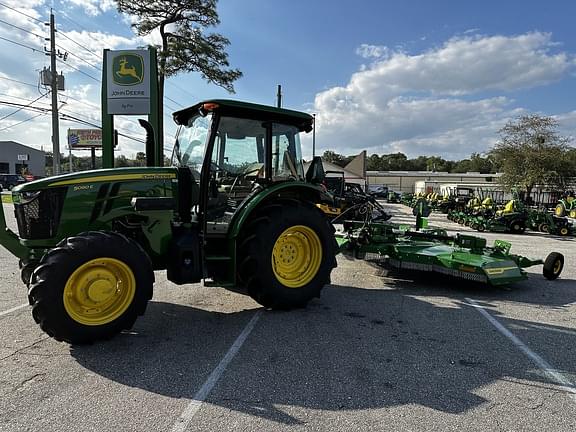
column 91, row 287
column 560, row 210
column 543, row 227
column 564, row 231
column 481, row 227
column 286, row 254
column 517, row 227
column 553, row 265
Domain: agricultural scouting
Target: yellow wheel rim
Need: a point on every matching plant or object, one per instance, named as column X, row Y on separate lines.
column 559, row 210
column 99, row 291
column 557, row 266
column 296, row 256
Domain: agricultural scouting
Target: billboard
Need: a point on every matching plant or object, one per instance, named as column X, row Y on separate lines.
column 84, row 138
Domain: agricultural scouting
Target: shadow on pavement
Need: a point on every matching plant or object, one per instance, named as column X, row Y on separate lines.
column 355, row 349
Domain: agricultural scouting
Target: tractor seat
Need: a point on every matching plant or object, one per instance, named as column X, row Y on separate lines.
column 510, row 207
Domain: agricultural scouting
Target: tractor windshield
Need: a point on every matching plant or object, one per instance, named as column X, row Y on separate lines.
column 190, row 144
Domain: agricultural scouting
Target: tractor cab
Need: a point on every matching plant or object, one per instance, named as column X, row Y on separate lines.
column 233, row 149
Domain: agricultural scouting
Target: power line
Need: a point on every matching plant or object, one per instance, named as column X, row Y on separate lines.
column 22, row 29
column 21, row 108
column 26, row 107
column 78, row 70
column 80, row 45
column 179, row 88
column 22, row 13
column 66, row 117
column 80, row 58
column 65, row 16
column 23, row 121
column 19, row 82
column 15, row 97
column 81, row 101
column 22, row 45
column 172, row 100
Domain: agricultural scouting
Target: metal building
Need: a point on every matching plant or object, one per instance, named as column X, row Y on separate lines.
column 16, row 158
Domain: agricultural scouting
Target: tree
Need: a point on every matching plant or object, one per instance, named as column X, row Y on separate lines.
column 334, row 158
column 186, row 44
column 530, row 152
column 140, row 159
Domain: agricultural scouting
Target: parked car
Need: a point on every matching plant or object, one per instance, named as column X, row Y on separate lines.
column 8, row 181
column 379, row 192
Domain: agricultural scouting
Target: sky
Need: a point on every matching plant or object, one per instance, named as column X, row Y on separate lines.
column 421, row 77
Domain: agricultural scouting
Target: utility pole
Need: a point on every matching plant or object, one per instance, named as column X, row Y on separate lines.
column 54, row 86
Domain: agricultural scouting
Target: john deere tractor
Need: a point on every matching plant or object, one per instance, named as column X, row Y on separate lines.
column 235, row 210
column 566, row 205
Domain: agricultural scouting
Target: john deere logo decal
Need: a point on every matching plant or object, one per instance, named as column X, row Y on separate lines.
column 127, row 69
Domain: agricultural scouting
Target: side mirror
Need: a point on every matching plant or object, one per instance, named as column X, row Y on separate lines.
column 315, row 173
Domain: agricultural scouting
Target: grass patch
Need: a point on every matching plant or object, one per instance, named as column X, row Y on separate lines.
column 7, row 198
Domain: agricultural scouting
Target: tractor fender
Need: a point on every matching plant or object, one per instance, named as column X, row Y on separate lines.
column 288, row 190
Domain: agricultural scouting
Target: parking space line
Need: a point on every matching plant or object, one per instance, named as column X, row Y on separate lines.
column 14, row 309
column 199, row 398
column 551, row 372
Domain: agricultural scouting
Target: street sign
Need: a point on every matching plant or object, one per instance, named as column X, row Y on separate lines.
column 128, row 82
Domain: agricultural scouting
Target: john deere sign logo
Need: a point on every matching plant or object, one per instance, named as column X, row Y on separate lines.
column 128, row 69
column 128, row 82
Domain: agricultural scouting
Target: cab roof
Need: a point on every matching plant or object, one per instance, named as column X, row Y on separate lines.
column 249, row 110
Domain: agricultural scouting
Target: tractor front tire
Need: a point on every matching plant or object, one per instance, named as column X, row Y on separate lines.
column 553, row 265
column 91, row 287
column 286, row 254
column 543, row 227
column 560, row 210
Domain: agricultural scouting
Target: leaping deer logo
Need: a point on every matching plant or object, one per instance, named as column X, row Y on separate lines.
column 127, row 71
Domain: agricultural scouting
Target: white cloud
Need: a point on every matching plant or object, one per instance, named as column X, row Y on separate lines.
column 93, row 7
column 373, row 51
column 423, row 103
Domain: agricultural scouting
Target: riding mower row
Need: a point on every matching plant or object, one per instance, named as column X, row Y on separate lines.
column 484, row 217
column 543, row 221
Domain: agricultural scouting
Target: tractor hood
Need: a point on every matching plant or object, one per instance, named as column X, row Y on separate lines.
column 98, row 176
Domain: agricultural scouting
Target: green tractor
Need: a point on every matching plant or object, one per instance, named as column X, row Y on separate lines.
column 236, row 210
column 566, row 206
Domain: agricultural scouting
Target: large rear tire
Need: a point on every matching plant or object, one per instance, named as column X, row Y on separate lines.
column 91, row 287
column 560, row 210
column 286, row 254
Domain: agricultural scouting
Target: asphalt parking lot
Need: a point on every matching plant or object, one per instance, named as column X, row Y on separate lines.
column 378, row 351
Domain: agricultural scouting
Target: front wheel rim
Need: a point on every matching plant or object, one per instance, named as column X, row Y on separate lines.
column 296, row 256
column 99, row 291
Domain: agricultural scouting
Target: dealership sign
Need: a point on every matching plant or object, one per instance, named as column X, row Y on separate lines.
column 128, row 82
column 84, row 138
